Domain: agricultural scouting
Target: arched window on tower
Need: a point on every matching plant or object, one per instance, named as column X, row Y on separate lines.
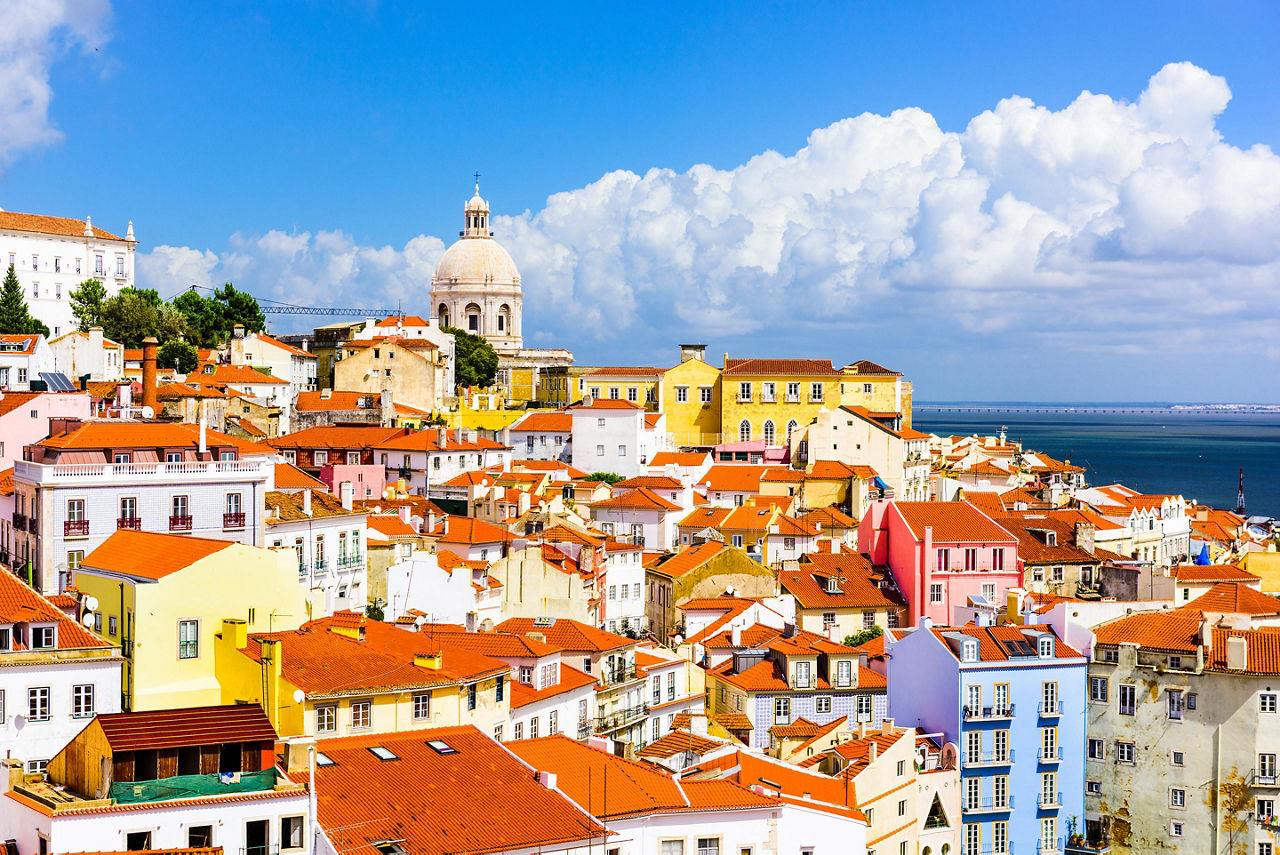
column 473, row 318
column 744, row 431
column 504, row 318
column 768, row 432
column 443, row 315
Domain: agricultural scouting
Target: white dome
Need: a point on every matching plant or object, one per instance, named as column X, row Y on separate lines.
column 475, row 203
column 474, row 260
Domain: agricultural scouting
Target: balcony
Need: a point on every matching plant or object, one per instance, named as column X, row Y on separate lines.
column 115, row 474
column 180, row 522
column 1049, row 755
column 1049, row 801
column 1051, row 710
column 1049, row 847
column 233, row 520
column 33, row 525
column 614, row 676
column 129, row 523
column 75, row 528
column 584, row 730
column 1079, row 846
column 20, row 522
column 989, row 806
column 620, row 718
column 302, row 570
column 991, row 713
column 320, row 565
column 990, row 758
column 991, row 850
column 1263, row 779
column 348, row 560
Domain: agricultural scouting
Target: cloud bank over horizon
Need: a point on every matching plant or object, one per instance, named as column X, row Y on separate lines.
column 1108, row 226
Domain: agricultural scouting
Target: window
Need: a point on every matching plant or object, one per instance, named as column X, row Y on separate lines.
column 673, row 847
column 1049, row 833
column 1000, row 791
column 553, row 724
column 862, row 708
column 1266, row 768
column 422, row 706
column 997, row 560
column 136, row 841
column 471, row 696
column 42, row 638
column 708, row 846
column 1176, row 758
column 1097, row 749
column 1175, row 704
column 744, row 392
column 844, row 672
column 1093, row 788
column 360, row 714
column 815, row 391
column 290, row 832
column 704, row 394
column 1267, row 702
column 1128, row 699
column 1045, row 646
column 1098, row 689
column 1000, row 741
column 188, row 639
column 768, row 432
column 972, row 838
column 622, row 451
column 111, row 625
column 632, row 394
column 935, row 593
column 599, row 451
column 199, row 836
column 613, row 393
column 533, row 727
column 1049, row 697
column 802, row 675
column 82, row 701
column 326, row 718
column 1266, row 807
column 1124, row 752
column 1265, row 848
column 971, row 559
column 1175, row 829
column 682, row 394
column 943, row 563
column 1177, row 797
column 744, row 431
column 38, row 704
column 822, row 705
column 782, row 711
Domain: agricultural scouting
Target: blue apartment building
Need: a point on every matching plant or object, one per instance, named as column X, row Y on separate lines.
column 1012, row 700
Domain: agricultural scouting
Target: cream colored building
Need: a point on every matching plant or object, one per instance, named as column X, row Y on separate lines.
column 413, row 371
column 76, row 354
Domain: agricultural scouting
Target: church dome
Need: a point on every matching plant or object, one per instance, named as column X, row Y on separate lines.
column 473, row 260
column 476, row 203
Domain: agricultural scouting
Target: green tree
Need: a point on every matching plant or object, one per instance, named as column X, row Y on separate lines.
column 134, row 314
column 239, row 307
column 204, row 321
column 14, row 317
column 178, row 353
column 609, row 478
column 863, row 636
column 87, row 300
column 475, row 360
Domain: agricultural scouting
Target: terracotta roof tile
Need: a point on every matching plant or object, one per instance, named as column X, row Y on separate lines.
column 678, row 458
column 235, row 375
column 288, row 475
column 390, row 525
column 733, row 479
column 640, row 498
column 952, row 522
column 555, row 421
column 567, row 634
column 177, row 728
column 20, row 604
column 690, row 557
column 780, row 367
column 1212, row 573
column 1235, row 598
column 859, row 583
column 65, row 226
column 679, row 742
column 288, row 507
column 364, row 436
column 148, row 555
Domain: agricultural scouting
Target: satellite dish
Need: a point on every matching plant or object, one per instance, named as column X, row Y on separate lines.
column 420, row 620
column 87, row 620
column 299, row 696
column 91, row 603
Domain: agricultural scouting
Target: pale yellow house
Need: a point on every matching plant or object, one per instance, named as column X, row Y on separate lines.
column 542, row 581
column 163, row 597
column 768, row 399
column 691, row 399
column 345, row 675
column 414, row 370
column 637, row 384
column 878, row 389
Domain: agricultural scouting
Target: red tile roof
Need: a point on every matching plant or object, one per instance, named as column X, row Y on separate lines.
column 318, row 401
column 402, row 321
column 429, row 440
column 829, row 518
column 290, row 476
column 1235, row 598
column 391, row 525
column 1212, row 573
column 479, row 799
column 679, row 458
column 235, row 375
column 557, row 421
column 865, row 367
column 98, row 435
column 641, row 498
column 567, row 634
column 857, row 580
column 20, row 604
column 679, row 742
column 625, row 371
column 780, row 367
column 990, row 638
column 470, row 530
column 952, row 522
column 608, row 404
column 176, row 728
column 690, row 558
column 733, row 478
column 571, row 679
column 65, row 226
column 363, row 436
column 1178, row 631
column 149, row 555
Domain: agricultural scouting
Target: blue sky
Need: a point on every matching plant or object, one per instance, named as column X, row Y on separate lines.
column 1060, row 248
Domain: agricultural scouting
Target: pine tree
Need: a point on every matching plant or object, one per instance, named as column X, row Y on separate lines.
column 14, row 317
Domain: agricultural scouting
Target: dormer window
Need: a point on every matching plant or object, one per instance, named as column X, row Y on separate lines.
column 1050, row 538
column 969, row 650
column 802, row 675
column 6, row 639
column 833, row 585
column 1045, row 646
column 43, row 638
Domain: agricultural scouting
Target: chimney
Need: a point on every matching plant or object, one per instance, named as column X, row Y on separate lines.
column 326, row 394
column 236, row 631
column 298, row 754
column 402, row 511
column 1084, row 537
column 862, row 659
column 204, row 436
column 1206, row 636
column 872, row 751
column 306, row 501
column 735, row 636
column 547, row 779
column 237, row 331
column 95, row 337
column 431, row 661
column 698, row 723
column 540, row 637
column 431, row 520
column 446, row 524
column 88, row 227
column 348, row 494
column 442, row 436
column 788, row 629
column 886, row 726
column 149, row 398
column 1237, row 653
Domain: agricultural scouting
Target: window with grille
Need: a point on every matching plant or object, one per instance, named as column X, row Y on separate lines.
column 188, row 639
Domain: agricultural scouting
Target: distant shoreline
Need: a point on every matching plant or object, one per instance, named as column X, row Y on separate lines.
column 1119, row 409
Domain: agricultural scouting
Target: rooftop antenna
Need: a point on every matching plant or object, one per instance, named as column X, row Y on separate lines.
column 1240, row 495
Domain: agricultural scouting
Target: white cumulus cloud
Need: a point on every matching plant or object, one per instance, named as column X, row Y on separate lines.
column 33, row 33
column 1109, row 226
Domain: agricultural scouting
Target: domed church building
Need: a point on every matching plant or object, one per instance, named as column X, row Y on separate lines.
column 476, row 286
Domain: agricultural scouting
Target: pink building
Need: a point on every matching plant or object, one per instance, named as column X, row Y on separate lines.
column 24, row 418
column 367, row 480
column 941, row 553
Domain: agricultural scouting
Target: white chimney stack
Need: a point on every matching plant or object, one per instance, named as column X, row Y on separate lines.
column 348, row 494
column 306, row 501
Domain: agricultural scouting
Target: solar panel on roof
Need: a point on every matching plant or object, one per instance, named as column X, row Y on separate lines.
column 56, row 381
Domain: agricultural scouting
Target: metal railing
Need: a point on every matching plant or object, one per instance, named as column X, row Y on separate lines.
column 1049, row 847
column 19, row 521
column 584, row 729
column 75, row 528
column 1050, row 755
column 180, row 522
column 988, row 712
column 1051, row 709
column 129, row 523
column 233, row 520
column 1056, row 802
column 620, row 718
column 320, row 565
column 613, row 676
column 33, row 525
column 350, row 559
column 989, row 758
column 989, row 805
column 1262, row 779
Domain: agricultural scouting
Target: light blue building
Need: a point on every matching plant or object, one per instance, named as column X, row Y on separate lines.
column 1012, row 699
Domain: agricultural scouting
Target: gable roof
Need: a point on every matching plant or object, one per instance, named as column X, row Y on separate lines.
column 324, row 436
column 1212, row 573
column 856, row 579
column 21, row 604
column 865, row 367
column 1235, row 598
column 243, row 375
column 690, row 558
column 952, row 522
column 288, row 475
column 469, row 530
column 150, row 555
column 780, row 367
column 175, row 728
column 641, row 498
column 552, row 421
column 65, row 226
column 679, row 458
column 991, row 640
column 567, row 634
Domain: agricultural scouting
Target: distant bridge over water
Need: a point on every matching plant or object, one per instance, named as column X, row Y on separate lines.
column 1044, row 410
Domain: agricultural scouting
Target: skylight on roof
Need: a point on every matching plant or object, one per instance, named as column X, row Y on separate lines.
column 544, row 621
column 323, row 759
column 439, row 746
column 382, row 753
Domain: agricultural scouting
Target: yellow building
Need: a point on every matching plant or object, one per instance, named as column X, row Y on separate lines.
column 345, row 675
column 163, row 598
column 412, row 369
column 879, row 390
column 769, row 398
column 691, row 399
column 639, row 385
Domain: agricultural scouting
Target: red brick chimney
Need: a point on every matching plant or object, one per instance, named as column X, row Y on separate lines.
column 149, row 398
